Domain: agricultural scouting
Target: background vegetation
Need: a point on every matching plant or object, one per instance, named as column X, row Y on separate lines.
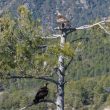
column 87, row 76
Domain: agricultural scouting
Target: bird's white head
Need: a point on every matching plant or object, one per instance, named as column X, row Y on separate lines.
column 58, row 13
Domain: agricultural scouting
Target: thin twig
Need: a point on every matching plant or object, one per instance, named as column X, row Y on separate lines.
column 79, row 39
column 68, row 63
column 104, row 29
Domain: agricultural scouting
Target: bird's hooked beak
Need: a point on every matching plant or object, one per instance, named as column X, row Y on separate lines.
column 57, row 12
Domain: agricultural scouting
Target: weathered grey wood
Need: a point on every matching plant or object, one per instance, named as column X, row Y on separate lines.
column 61, row 74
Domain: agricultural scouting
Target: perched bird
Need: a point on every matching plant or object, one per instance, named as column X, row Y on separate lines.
column 62, row 20
column 41, row 94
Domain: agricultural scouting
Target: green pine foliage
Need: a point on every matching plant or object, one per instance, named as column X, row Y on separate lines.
column 86, row 77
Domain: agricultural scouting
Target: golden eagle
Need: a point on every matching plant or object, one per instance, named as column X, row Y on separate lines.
column 41, row 94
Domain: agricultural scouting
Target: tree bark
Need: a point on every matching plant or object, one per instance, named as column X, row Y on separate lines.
column 61, row 74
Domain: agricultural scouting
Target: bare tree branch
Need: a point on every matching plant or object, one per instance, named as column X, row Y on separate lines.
column 51, row 37
column 95, row 24
column 45, row 101
column 71, row 29
column 89, row 26
column 46, row 78
column 48, row 101
column 67, row 30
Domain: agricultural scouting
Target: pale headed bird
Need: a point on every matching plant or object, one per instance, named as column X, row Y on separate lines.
column 62, row 20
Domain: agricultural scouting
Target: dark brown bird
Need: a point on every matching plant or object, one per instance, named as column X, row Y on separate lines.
column 61, row 20
column 41, row 94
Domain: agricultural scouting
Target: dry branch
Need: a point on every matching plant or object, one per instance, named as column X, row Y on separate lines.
column 45, row 101
column 95, row 24
column 46, row 77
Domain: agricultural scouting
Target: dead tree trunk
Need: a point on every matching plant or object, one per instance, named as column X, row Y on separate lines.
column 61, row 75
